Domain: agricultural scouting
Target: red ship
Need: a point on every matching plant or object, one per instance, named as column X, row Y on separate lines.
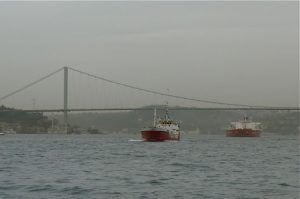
column 162, row 130
column 245, row 128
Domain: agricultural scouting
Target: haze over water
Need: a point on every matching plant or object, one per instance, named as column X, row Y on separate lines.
column 120, row 166
column 233, row 52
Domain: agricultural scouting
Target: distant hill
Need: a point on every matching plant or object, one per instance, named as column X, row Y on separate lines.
column 200, row 121
column 23, row 122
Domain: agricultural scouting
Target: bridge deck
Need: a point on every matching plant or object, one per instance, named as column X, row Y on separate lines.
column 150, row 109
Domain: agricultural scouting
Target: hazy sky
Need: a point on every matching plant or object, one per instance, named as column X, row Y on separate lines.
column 236, row 52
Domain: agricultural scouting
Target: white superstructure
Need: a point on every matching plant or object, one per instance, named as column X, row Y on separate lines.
column 245, row 124
column 167, row 124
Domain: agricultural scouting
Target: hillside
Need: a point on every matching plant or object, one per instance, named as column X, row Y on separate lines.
column 23, row 122
column 202, row 121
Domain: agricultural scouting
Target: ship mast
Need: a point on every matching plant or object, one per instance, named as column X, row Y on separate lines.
column 167, row 111
column 154, row 118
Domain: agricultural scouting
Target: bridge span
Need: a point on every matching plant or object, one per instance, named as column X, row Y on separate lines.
column 159, row 108
column 65, row 110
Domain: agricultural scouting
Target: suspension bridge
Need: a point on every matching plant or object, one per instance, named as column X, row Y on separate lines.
column 65, row 109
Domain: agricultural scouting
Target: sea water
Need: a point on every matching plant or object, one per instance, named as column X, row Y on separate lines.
column 121, row 166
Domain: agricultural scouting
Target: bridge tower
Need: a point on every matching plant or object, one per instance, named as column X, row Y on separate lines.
column 66, row 123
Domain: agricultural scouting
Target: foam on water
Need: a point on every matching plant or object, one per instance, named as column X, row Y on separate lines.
column 134, row 140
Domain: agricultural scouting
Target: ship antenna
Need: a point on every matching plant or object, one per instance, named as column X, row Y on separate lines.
column 167, row 111
column 245, row 118
column 154, row 117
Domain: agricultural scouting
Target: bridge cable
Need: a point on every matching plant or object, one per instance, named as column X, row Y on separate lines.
column 31, row 84
column 164, row 94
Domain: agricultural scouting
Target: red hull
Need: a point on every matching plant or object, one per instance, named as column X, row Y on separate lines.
column 242, row 133
column 155, row 135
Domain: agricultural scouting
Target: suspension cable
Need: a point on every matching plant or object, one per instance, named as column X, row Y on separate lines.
column 161, row 93
column 31, row 84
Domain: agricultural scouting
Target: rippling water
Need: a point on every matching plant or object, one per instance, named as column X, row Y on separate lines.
column 120, row 166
